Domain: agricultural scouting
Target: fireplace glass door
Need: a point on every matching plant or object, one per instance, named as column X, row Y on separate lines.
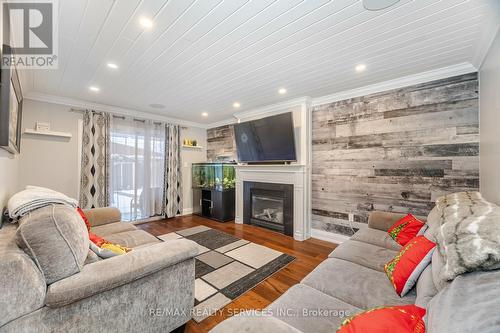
column 268, row 205
column 267, row 208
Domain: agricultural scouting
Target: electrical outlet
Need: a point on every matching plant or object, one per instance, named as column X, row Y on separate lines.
column 351, row 217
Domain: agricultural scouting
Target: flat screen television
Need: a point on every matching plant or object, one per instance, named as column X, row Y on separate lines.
column 266, row 140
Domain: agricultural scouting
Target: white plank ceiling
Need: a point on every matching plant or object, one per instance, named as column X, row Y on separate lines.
column 203, row 55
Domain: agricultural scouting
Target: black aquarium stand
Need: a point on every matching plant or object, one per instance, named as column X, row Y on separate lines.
column 213, row 190
column 215, row 205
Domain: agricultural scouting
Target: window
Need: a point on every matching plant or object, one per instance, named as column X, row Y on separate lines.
column 137, row 167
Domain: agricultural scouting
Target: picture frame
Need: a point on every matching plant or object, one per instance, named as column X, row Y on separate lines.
column 11, row 103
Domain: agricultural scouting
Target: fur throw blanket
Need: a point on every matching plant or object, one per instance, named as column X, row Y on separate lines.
column 469, row 235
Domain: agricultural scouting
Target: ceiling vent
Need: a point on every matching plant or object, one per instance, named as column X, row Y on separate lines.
column 157, row 106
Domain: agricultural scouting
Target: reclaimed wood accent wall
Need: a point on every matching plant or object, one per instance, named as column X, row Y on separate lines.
column 394, row 151
column 220, row 142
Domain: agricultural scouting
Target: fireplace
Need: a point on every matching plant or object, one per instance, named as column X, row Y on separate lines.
column 269, row 205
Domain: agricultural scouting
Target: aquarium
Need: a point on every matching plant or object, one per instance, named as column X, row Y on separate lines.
column 214, row 176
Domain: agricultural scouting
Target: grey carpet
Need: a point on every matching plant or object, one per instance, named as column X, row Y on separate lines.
column 231, row 268
column 213, row 239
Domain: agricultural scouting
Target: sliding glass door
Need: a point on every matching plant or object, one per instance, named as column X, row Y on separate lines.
column 137, row 168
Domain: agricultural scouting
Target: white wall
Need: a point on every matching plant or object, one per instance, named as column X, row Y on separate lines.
column 8, row 176
column 489, row 113
column 189, row 156
column 54, row 162
column 49, row 161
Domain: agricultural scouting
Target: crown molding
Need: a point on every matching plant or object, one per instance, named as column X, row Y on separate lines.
column 224, row 122
column 437, row 74
column 83, row 104
column 272, row 109
column 489, row 32
column 485, row 45
column 267, row 110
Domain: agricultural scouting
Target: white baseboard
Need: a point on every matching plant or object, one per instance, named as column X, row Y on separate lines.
column 185, row 211
column 149, row 219
column 328, row 236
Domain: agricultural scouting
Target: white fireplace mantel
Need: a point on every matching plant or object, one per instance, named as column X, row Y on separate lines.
column 293, row 174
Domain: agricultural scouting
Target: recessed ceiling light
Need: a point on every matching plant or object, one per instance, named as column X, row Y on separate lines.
column 146, row 23
column 360, row 67
column 157, row 106
column 282, row 91
column 204, row 114
column 112, row 65
column 94, row 88
column 236, row 105
column 378, row 4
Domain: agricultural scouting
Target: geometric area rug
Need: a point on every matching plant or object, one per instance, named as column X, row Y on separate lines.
column 226, row 267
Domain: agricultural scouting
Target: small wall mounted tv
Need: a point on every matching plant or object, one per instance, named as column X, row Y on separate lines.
column 266, row 140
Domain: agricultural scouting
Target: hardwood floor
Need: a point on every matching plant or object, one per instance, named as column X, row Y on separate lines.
column 309, row 254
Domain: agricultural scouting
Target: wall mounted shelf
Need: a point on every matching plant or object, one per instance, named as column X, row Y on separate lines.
column 192, row 147
column 48, row 133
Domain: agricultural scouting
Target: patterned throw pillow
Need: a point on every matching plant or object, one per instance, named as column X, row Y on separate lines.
column 394, row 319
column 406, row 229
column 403, row 271
column 108, row 250
column 99, row 245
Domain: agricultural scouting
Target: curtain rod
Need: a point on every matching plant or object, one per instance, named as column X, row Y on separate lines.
column 118, row 116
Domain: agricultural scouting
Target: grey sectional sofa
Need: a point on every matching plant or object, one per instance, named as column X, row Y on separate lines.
column 352, row 280
column 150, row 289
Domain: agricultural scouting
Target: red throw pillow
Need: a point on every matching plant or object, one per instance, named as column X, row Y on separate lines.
column 406, row 229
column 394, row 319
column 409, row 263
column 84, row 218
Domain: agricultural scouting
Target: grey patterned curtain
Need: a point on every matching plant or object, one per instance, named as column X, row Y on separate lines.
column 172, row 195
column 94, row 181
